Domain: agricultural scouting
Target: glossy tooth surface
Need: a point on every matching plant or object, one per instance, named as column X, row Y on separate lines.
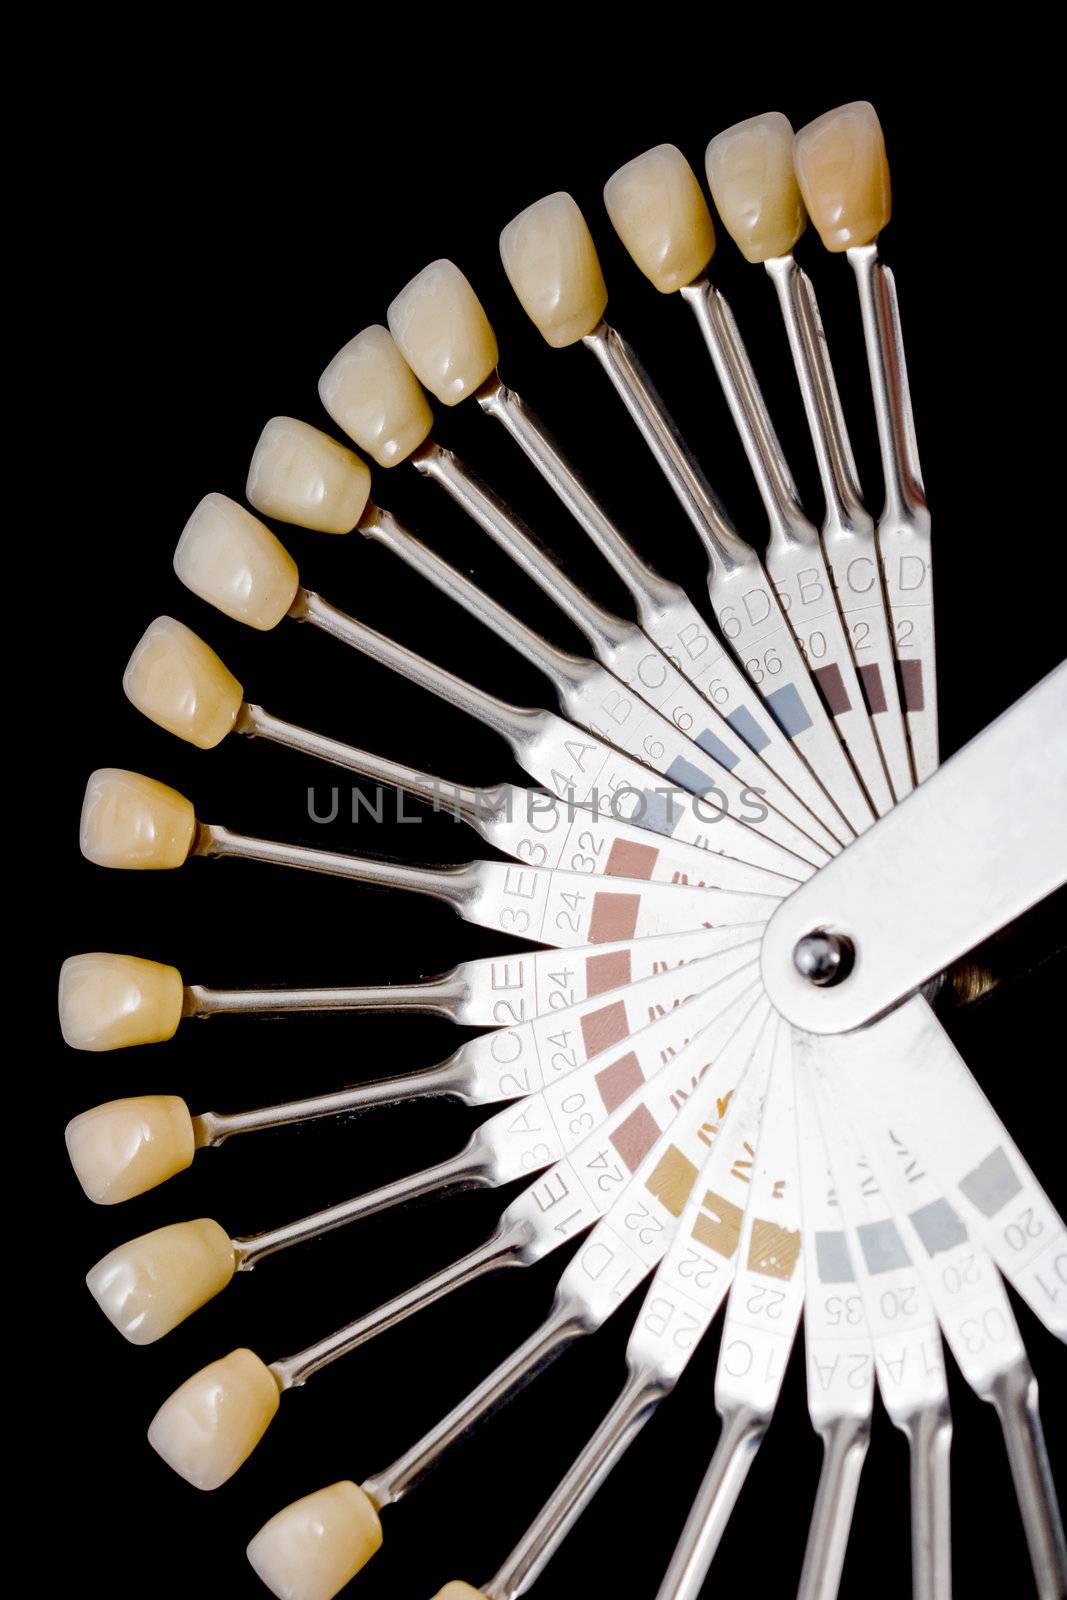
column 754, row 187
column 370, row 391
column 124, row 1147
column 212, row 1423
column 659, row 212
column 227, row 557
column 552, row 265
column 148, row 1286
column 299, row 474
column 315, row 1546
column 844, row 175
column 443, row 333
column 179, row 681
column 457, row 1590
column 132, row 821
column 107, row 1002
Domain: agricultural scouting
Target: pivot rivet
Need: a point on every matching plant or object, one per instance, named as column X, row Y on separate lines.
column 824, row 958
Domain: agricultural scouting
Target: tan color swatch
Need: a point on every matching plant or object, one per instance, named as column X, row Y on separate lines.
column 718, row 1226
column 773, row 1251
column 671, row 1180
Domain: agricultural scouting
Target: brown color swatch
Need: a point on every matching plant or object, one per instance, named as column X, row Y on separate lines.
column 601, row 1029
column 910, row 680
column 831, row 686
column 614, row 917
column 606, row 972
column 617, row 1082
column 634, row 1138
column 873, row 688
column 629, row 860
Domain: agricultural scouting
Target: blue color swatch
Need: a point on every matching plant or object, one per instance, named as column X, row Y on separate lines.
column 717, row 750
column 788, row 711
column 744, row 723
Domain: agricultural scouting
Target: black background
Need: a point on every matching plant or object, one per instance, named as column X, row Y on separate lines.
column 215, row 267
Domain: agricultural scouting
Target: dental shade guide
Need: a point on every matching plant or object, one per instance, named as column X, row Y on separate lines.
column 721, row 1071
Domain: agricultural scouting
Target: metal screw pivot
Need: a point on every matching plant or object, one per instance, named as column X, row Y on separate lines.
column 824, row 958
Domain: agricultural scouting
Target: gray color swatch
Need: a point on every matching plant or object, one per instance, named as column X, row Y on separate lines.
column 661, row 812
column 883, row 1248
column 991, row 1184
column 938, row 1227
column 831, row 1256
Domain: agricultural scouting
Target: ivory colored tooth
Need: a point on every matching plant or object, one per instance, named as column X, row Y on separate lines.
column 124, row 1147
column 443, row 332
column 659, row 212
column 552, row 265
column 458, row 1590
column 754, row 187
column 371, row 392
column 180, row 683
column 227, row 557
column 131, row 821
column 844, row 175
column 107, row 1002
column 148, row 1286
column 299, row 474
column 315, row 1546
column 213, row 1422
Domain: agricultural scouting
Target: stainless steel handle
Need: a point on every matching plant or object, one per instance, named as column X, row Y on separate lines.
column 845, row 1443
column 504, row 1249
column 1014, row 1394
column 212, row 1128
column 463, row 1171
column 742, row 1435
column 650, row 591
column 692, row 489
column 473, row 805
column 515, row 723
column 559, row 666
column 976, row 845
column 905, row 497
column 502, row 526
column 451, row 884
column 929, row 1434
column 818, row 388
column 636, row 1403
column 549, row 1340
column 751, row 418
column 441, row 996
